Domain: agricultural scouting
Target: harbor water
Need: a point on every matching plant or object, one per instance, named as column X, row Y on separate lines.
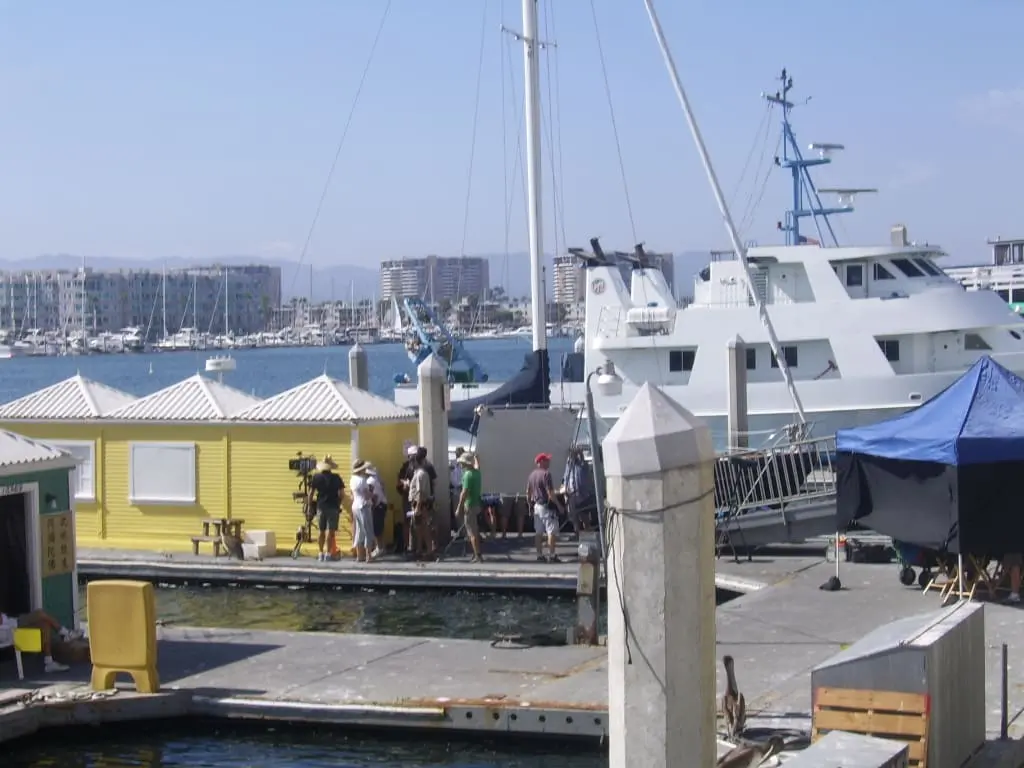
column 463, row 615
column 201, row 744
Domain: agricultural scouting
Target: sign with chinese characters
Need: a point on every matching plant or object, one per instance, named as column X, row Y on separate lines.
column 11, row 490
column 58, row 544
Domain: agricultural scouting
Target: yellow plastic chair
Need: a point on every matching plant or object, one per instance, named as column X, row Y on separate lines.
column 26, row 641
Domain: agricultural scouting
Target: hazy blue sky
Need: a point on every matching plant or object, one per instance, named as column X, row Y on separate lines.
column 206, row 127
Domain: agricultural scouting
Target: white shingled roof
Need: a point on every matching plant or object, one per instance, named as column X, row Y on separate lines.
column 74, row 398
column 325, row 400
column 19, row 451
column 197, row 398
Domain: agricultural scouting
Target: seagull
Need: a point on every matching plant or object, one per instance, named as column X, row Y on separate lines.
column 733, row 704
column 750, row 755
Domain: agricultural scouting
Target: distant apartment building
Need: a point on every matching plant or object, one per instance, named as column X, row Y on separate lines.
column 109, row 300
column 569, row 286
column 435, row 278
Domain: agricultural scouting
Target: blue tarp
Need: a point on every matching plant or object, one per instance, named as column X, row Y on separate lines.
column 978, row 419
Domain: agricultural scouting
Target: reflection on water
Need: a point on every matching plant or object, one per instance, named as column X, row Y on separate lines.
column 202, row 745
column 471, row 615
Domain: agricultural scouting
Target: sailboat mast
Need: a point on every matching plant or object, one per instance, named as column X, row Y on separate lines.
column 225, row 302
column 531, row 61
column 163, row 291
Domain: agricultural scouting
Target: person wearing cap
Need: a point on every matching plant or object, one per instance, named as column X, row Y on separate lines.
column 540, row 492
column 420, row 501
column 327, row 488
column 403, row 543
column 362, row 511
column 467, row 510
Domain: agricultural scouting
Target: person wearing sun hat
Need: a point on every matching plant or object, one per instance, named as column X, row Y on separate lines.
column 328, row 489
column 467, row 510
column 362, row 511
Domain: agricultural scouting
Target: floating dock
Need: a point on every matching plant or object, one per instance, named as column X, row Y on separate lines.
column 513, row 570
column 776, row 635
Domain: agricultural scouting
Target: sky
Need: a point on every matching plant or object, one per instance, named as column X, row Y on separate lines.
column 202, row 129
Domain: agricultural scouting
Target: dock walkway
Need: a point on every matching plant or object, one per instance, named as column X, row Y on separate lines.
column 776, row 634
column 510, row 567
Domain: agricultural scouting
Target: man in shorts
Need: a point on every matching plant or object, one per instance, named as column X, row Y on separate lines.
column 467, row 510
column 540, row 492
column 328, row 488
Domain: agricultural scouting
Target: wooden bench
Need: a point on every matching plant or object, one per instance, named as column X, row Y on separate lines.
column 220, row 525
column 197, row 540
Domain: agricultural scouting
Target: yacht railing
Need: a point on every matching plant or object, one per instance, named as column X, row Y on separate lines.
column 798, row 472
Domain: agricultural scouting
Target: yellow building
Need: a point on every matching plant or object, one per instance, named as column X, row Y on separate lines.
column 66, row 415
column 322, row 416
column 152, row 468
column 166, row 461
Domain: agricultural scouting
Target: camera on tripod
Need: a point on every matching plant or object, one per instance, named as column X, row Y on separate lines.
column 302, row 465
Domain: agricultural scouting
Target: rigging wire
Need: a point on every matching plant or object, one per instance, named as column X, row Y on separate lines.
column 558, row 122
column 551, row 51
column 504, row 148
column 341, row 143
column 758, row 140
column 518, row 165
column 749, row 207
column 753, row 203
column 472, row 146
column 615, row 127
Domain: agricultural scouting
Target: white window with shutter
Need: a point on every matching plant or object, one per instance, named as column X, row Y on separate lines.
column 162, row 473
column 83, row 476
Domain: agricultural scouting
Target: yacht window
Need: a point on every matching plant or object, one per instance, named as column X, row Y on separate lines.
column 752, row 358
column 906, row 266
column 1004, row 295
column 680, row 360
column 1018, row 295
column 881, row 273
column 855, row 275
column 1012, row 333
column 975, row 342
column 891, row 348
column 790, row 355
column 928, row 267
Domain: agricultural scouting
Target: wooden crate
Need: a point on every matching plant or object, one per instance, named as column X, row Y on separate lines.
column 885, row 714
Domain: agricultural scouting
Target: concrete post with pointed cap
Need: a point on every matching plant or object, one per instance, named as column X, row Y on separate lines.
column 358, row 370
column 433, row 391
column 661, row 586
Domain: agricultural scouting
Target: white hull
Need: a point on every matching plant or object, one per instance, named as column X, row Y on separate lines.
column 830, row 404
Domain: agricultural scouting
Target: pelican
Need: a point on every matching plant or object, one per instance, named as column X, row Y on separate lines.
column 232, row 545
column 733, row 704
column 750, row 755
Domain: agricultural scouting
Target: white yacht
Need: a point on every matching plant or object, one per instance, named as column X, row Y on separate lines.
column 865, row 332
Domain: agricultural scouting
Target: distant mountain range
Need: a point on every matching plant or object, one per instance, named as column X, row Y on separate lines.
column 341, row 281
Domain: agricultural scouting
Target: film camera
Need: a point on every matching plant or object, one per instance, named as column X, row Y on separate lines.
column 304, row 467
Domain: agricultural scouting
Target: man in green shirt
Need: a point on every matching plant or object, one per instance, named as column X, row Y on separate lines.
column 468, row 509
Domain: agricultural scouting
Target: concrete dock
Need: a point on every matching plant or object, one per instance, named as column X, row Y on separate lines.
column 776, row 634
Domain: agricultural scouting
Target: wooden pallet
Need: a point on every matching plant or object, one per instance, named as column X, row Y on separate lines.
column 884, row 714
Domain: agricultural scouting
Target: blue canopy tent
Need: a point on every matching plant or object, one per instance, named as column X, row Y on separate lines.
column 945, row 475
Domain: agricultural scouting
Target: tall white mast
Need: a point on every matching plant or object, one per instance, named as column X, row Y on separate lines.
column 716, row 188
column 531, row 59
column 163, row 291
column 225, row 302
